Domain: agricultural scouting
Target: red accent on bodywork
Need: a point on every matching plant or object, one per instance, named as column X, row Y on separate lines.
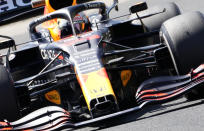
column 146, row 91
column 84, row 77
column 5, row 124
column 6, row 129
column 102, row 73
column 198, row 75
column 169, row 96
column 61, row 57
column 158, row 94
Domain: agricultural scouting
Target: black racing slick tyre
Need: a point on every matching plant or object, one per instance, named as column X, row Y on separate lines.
column 8, row 101
column 184, row 37
column 154, row 22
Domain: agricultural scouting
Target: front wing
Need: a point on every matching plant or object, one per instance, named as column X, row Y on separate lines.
column 150, row 92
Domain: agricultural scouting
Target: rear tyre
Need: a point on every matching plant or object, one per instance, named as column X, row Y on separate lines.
column 184, row 37
column 8, row 101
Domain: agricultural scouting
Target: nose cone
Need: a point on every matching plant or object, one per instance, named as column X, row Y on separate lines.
column 103, row 106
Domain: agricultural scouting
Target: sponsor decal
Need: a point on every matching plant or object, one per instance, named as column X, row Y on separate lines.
column 78, row 18
column 125, row 76
column 12, row 5
column 54, row 97
column 92, row 5
column 11, row 9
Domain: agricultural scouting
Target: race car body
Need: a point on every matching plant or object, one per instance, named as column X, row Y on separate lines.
column 116, row 67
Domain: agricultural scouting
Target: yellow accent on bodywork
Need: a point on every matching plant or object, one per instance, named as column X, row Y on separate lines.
column 125, row 76
column 54, row 97
column 49, row 7
column 95, row 85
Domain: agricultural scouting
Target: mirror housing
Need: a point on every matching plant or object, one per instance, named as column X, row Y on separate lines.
column 116, row 6
column 138, row 7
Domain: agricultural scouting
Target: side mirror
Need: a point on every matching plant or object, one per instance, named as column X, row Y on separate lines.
column 7, row 43
column 116, row 6
column 37, row 3
column 138, row 7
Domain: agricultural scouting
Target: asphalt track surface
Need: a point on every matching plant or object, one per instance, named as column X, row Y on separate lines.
column 178, row 115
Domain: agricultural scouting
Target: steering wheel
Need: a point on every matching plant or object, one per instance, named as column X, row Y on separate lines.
column 69, row 13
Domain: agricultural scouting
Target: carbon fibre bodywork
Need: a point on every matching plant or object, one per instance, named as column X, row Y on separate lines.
column 113, row 69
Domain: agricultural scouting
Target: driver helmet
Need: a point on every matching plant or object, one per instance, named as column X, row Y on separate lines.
column 63, row 25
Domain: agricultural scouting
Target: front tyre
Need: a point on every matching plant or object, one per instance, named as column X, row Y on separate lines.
column 184, row 37
column 8, row 101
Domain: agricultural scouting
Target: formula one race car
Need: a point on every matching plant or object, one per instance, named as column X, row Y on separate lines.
column 117, row 67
